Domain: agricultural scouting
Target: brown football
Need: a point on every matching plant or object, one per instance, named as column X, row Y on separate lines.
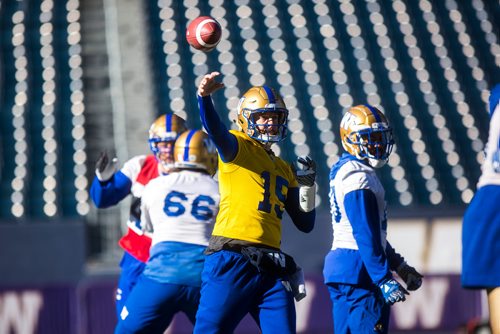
column 204, row 33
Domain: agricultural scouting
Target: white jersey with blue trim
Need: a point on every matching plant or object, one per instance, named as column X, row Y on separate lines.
column 131, row 169
column 491, row 166
column 354, row 175
column 180, row 207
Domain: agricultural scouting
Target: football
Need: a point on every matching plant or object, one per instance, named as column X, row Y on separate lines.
column 204, row 33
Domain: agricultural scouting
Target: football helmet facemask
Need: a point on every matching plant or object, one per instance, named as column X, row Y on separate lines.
column 195, row 150
column 266, row 102
column 366, row 134
column 165, row 129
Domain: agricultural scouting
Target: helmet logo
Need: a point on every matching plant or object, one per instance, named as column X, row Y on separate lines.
column 241, row 102
column 347, row 120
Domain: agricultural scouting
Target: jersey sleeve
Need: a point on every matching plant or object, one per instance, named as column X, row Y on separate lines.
column 132, row 167
column 226, row 143
column 395, row 259
column 111, row 192
column 362, row 212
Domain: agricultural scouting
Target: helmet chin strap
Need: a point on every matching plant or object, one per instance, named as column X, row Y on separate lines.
column 375, row 163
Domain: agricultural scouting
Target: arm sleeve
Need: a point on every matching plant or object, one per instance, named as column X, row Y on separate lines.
column 108, row 193
column 304, row 221
column 226, row 143
column 362, row 211
column 395, row 259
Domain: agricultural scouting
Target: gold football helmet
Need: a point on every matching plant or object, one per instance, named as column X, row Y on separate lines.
column 263, row 101
column 366, row 134
column 162, row 135
column 194, row 149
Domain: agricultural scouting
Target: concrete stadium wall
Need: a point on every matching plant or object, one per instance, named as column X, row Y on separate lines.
column 41, row 252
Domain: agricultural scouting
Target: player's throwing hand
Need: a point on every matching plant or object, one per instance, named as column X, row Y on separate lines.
column 208, row 85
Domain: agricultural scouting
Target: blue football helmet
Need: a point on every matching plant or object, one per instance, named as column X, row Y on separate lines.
column 366, row 134
column 266, row 102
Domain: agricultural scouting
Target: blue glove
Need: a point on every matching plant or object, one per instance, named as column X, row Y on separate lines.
column 410, row 276
column 306, row 175
column 392, row 291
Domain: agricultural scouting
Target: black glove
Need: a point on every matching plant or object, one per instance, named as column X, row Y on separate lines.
column 105, row 169
column 410, row 276
column 307, row 173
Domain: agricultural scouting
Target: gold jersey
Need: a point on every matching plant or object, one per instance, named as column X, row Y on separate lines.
column 253, row 189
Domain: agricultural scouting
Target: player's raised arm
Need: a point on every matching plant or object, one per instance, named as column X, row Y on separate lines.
column 109, row 186
column 226, row 143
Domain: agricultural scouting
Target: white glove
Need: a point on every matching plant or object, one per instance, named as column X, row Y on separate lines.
column 105, row 169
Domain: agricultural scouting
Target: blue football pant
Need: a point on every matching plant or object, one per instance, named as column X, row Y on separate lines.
column 232, row 287
column 358, row 309
column 151, row 306
column 131, row 269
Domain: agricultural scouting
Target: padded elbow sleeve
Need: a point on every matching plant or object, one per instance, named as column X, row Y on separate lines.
column 307, row 198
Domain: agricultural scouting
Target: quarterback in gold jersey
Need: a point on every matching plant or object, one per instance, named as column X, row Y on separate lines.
column 255, row 179
column 245, row 271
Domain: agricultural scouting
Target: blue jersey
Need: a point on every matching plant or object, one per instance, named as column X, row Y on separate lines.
column 481, row 224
